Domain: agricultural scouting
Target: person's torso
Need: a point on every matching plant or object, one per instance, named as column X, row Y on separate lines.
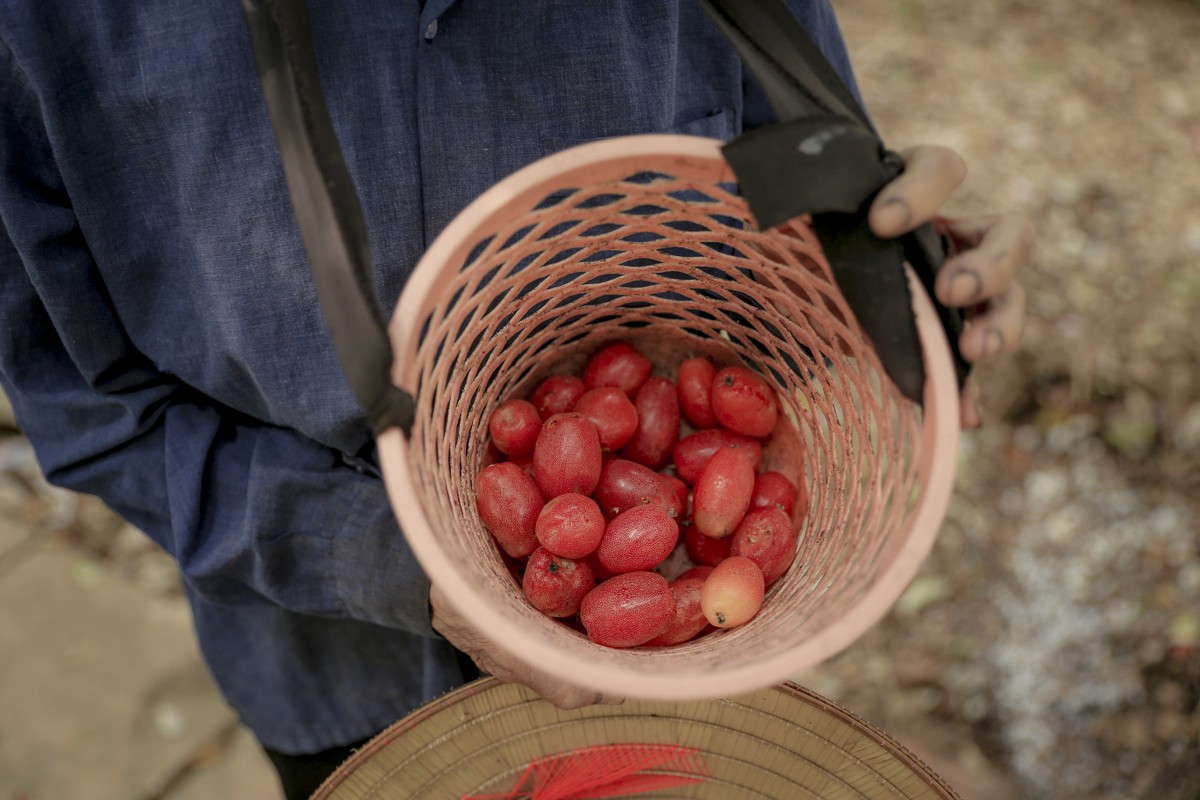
column 163, row 141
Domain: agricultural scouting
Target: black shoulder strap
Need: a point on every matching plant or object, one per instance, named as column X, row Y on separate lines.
column 823, row 158
column 326, row 207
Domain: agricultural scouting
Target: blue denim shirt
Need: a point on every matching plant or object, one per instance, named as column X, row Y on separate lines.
column 159, row 335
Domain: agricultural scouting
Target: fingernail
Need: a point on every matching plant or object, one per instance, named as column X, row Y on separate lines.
column 965, row 286
column 893, row 214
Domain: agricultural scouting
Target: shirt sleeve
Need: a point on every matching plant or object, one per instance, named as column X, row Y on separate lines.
column 252, row 512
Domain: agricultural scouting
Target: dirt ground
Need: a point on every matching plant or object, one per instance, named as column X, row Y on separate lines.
column 1049, row 647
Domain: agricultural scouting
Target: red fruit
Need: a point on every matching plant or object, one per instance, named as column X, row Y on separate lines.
column 556, row 395
column 617, row 364
column 566, row 457
column 766, row 537
column 702, row 572
column 613, row 414
column 694, row 387
column 733, row 593
column 514, row 426
column 704, row 550
column 555, row 585
column 689, row 618
column 657, row 430
column 509, row 502
column 692, row 452
column 598, row 569
column 681, row 494
column 491, row 454
column 625, row 484
column 637, row 540
column 570, row 525
column 744, row 403
column 628, row 610
column 524, row 461
column 774, row 489
column 722, row 495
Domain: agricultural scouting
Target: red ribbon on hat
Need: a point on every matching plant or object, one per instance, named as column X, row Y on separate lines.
column 613, row 770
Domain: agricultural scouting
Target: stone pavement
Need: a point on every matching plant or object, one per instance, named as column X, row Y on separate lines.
column 103, row 692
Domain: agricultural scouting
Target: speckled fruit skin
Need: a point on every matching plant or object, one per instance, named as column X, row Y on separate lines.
column 509, row 502
column 704, row 551
column 767, row 537
column 722, row 495
column 557, row 394
column 744, row 403
column 617, row 364
column 774, row 489
column 693, row 385
column 625, row 484
column 613, row 414
column 691, row 453
column 689, row 619
column 733, row 593
column 628, row 610
column 514, row 427
column 637, row 540
column 567, row 455
column 681, row 491
column 570, row 525
column 657, row 430
column 555, row 585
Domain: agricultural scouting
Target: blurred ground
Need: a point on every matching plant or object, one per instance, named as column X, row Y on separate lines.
column 103, row 691
column 1048, row 649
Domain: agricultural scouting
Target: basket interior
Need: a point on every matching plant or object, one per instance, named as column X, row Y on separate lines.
column 669, row 259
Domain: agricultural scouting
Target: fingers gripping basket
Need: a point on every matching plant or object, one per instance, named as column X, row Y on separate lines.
column 644, row 238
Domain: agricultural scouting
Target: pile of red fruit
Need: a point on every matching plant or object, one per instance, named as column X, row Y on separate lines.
column 594, row 478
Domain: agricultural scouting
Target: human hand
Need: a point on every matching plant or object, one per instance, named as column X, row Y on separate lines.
column 495, row 661
column 986, row 253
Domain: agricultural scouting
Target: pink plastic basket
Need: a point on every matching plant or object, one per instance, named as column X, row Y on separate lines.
column 644, row 238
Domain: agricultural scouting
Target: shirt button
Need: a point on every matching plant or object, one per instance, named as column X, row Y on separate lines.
column 431, row 31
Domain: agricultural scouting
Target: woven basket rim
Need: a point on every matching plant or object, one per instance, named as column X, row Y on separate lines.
column 411, row 725
column 939, row 441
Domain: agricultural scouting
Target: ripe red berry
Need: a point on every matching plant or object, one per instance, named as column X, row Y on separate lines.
column 570, row 525
column 694, row 383
column 566, row 457
column 722, row 495
column 555, row 585
column 733, row 593
column 657, row 428
column 514, row 426
column 557, row 394
column 617, row 364
column 628, row 610
column 509, row 502
column 744, row 403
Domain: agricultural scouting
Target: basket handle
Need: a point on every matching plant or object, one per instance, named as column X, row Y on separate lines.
column 326, row 206
column 824, row 158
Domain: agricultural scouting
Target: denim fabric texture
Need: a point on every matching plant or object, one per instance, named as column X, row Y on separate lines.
column 159, row 335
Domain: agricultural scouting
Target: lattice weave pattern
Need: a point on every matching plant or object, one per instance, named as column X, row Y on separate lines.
column 675, row 265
